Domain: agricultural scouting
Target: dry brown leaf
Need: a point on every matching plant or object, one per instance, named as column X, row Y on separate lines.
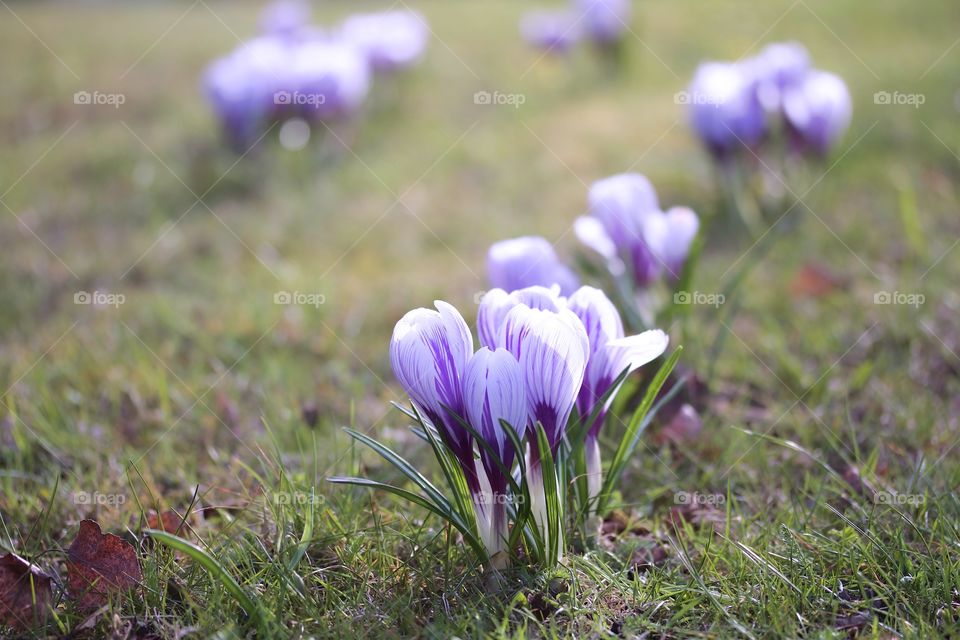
column 99, row 564
column 25, row 593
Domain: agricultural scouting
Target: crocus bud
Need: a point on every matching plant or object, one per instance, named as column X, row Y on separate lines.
column 429, row 351
column 551, row 31
column 604, row 21
column 525, row 262
column 779, row 66
column 725, row 110
column 682, row 226
column 552, row 349
column 285, row 18
column 390, row 40
column 329, row 80
column 818, row 111
column 497, row 303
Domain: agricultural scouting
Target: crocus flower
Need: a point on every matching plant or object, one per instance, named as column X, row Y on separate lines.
column 552, row 31
column 497, row 303
column 527, row 261
column 493, row 390
column 623, row 205
column 241, row 87
column 818, row 111
column 285, row 18
column 610, row 355
column 725, row 108
column 429, row 353
column 389, row 40
column 552, row 348
column 604, row 21
column 780, row 66
column 329, row 79
column 681, row 226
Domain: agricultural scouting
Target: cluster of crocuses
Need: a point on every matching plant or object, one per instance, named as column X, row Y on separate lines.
column 638, row 243
column 296, row 70
column 548, row 366
column 738, row 107
column 603, row 23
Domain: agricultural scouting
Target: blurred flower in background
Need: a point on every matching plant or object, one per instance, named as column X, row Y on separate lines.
column 391, row 40
column 737, row 107
column 525, row 262
column 295, row 70
column 603, row 23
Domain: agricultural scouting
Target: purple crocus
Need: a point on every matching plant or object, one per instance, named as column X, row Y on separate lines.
column 328, row 80
column 493, row 391
column 497, row 303
column 818, row 111
column 680, row 228
column 390, row 40
column 241, row 87
column 429, row 352
column 610, row 355
column 604, row 21
column 725, row 108
column 285, row 18
column 527, row 261
column 551, row 31
column 623, row 205
column 780, row 66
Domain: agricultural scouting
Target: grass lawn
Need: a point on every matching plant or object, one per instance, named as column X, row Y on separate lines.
column 825, row 475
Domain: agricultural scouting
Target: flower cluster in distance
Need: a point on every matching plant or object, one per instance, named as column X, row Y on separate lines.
column 296, row 70
column 602, row 22
column 737, row 106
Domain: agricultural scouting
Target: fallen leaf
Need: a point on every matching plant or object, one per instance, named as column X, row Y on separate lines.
column 25, row 593
column 168, row 521
column 815, row 281
column 99, row 564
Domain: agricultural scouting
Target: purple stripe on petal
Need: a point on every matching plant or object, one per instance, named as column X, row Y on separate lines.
column 493, row 390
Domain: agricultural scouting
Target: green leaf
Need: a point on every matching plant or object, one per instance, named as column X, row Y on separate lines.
column 214, row 568
column 631, row 437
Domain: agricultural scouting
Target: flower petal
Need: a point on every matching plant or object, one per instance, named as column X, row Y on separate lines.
column 493, row 390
